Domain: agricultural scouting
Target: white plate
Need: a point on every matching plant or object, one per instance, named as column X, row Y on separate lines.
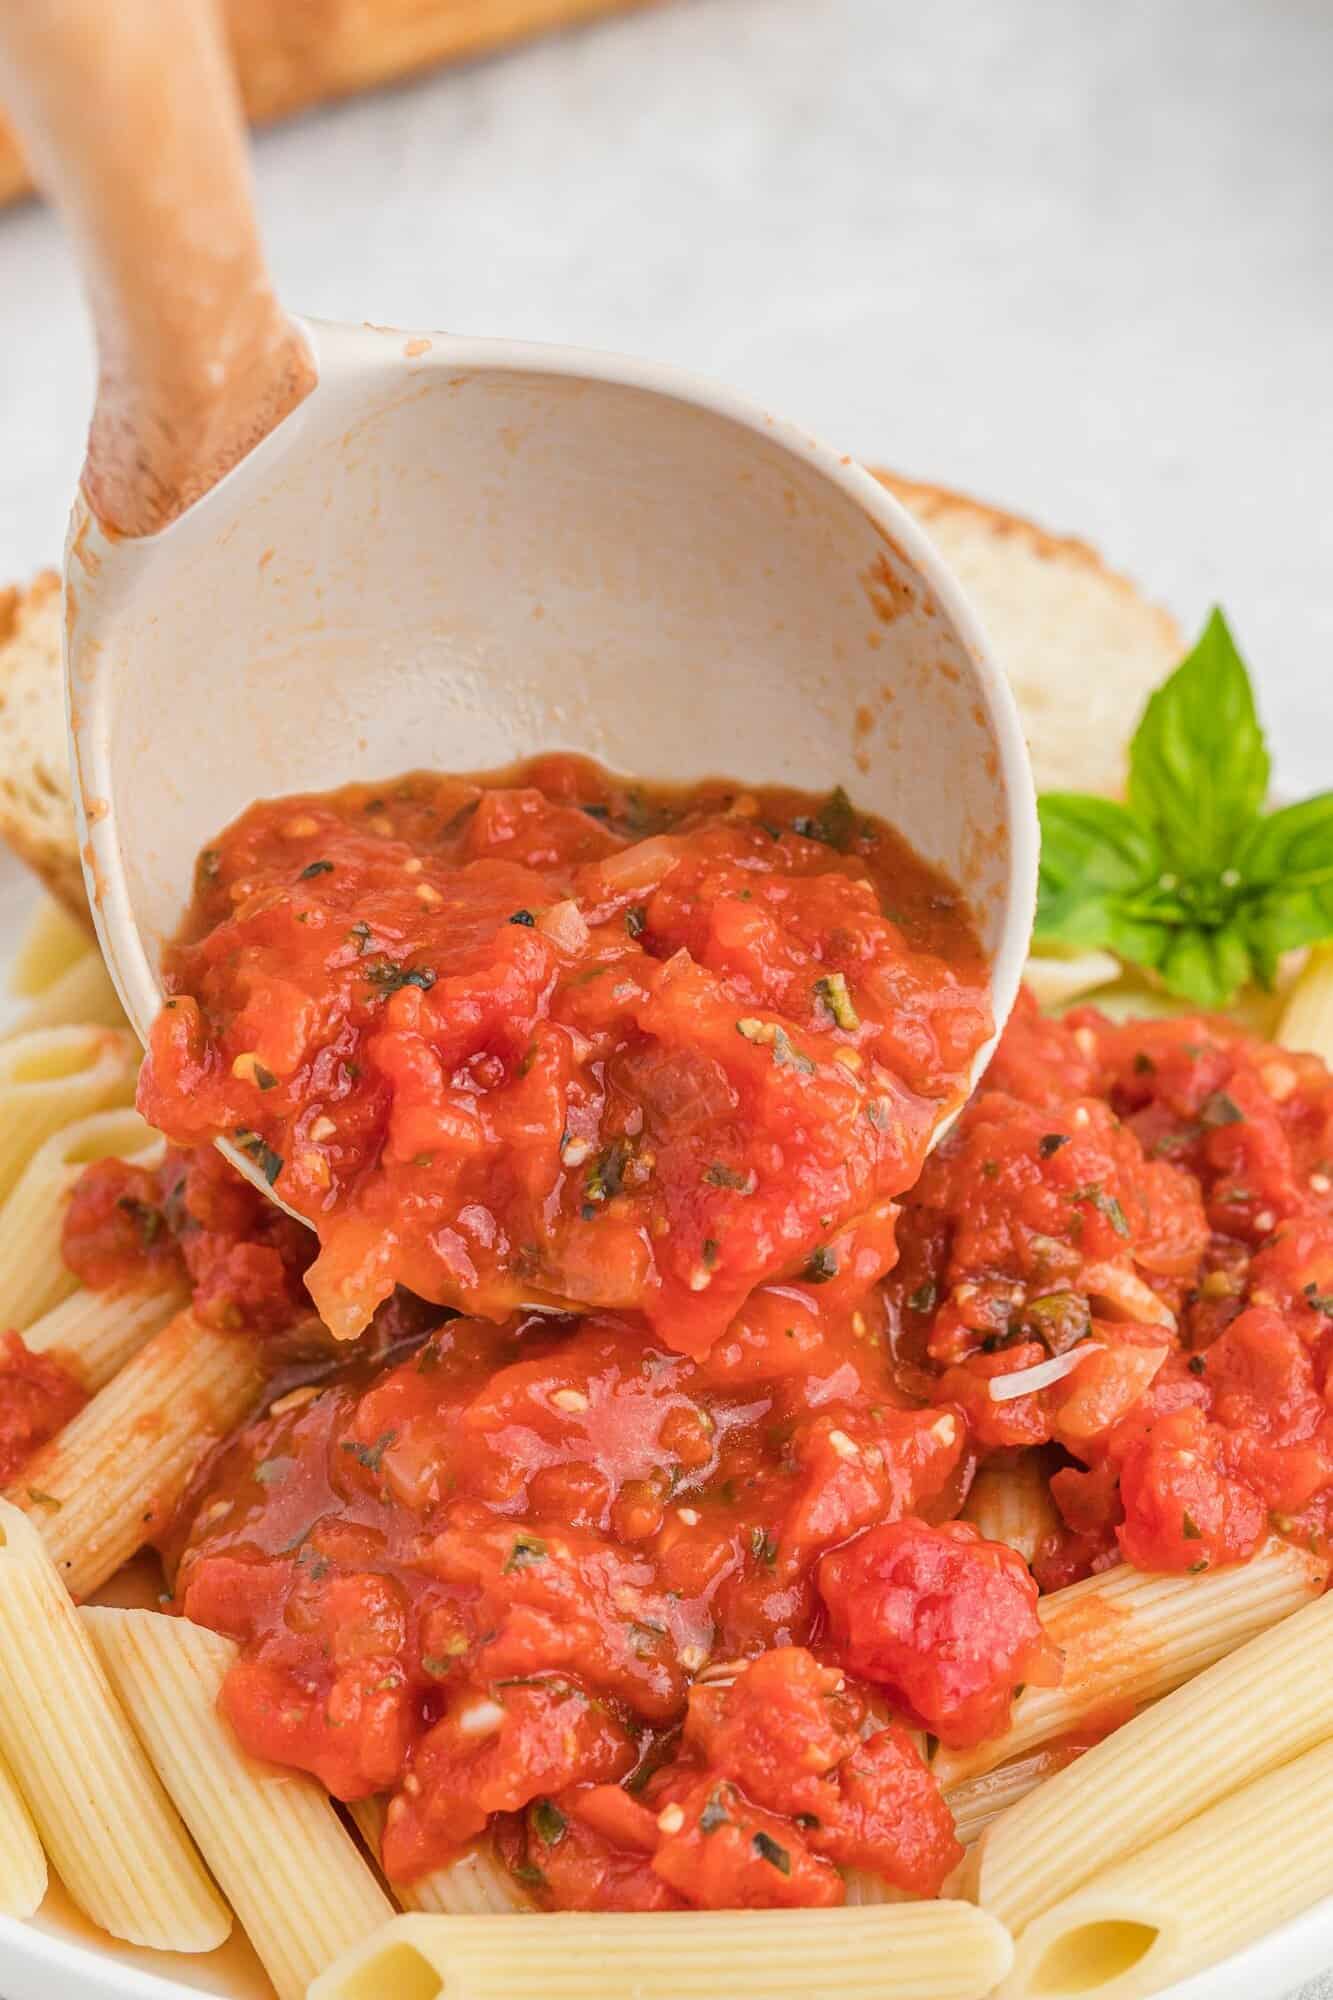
column 58, row 1953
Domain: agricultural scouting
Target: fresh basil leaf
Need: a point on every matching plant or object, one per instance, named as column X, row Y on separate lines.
column 1286, row 871
column 1198, row 764
column 1207, row 966
column 1093, row 856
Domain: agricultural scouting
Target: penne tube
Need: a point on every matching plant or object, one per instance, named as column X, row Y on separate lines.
column 1241, row 1717
column 476, row 1885
column 115, row 1473
column 902, row 1951
column 33, row 1274
column 283, row 1858
column 82, row 996
column 978, row 1801
column 1012, row 1504
column 53, row 940
column 22, row 1862
column 864, row 1890
column 109, row 1828
column 1129, row 1637
column 51, row 1077
column 95, row 1333
column 1306, row 1022
column 1187, row 1901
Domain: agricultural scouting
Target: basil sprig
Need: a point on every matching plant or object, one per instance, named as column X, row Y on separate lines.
column 1190, row 878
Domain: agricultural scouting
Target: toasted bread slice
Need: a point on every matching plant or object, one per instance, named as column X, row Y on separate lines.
column 36, row 809
column 1082, row 648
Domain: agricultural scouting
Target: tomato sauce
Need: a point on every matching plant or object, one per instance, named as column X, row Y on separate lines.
column 559, row 1038
column 663, row 1587
column 38, row 1396
column 1154, row 1201
column 677, row 1628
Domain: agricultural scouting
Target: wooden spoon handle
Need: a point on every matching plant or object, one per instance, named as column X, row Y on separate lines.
column 130, row 116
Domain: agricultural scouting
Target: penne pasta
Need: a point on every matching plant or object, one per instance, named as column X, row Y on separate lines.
column 118, row 1469
column 476, row 1885
column 865, row 1889
column 1179, row 1906
column 96, row 1333
column 53, row 939
column 22, row 1862
column 106, row 1823
column 908, row 1951
column 1240, row 1718
column 1012, row 1504
column 280, row 1853
column 81, row 996
column 33, row 1275
column 1306, row 1021
column 1129, row 1637
column 978, row 1801
column 53, row 1076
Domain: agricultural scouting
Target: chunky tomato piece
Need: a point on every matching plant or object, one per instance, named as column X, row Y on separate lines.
column 777, row 1731
column 1183, row 1511
column 891, row 1818
column 115, row 1230
column 197, row 1222
column 568, row 1862
column 944, row 1621
column 38, row 1396
column 493, row 1753
column 720, row 1852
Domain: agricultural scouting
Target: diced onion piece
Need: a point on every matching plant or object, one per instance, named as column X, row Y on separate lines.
column 1122, row 1294
column 641, row 867
column 563, row 924
column 1027, row 1381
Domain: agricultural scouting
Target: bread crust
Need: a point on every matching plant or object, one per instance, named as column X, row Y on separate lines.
column 36, row 807
column 929, row 502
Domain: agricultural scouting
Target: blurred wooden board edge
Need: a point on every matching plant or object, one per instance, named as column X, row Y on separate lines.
column 293, row 54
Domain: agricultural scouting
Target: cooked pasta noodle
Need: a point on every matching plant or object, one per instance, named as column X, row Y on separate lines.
column 476, row 1885
column 1128, row 1637
column 53, row 939
column 96, row 1333
column 1190, row 1899
column 103, row 1818
column 117, row 1470
column 52, row 1076
column 22, row 1862
column 1241, row 1717
column 1012, row 1503
column 978, row 1801
column 82, row 995
column 864, row 1889
column 272, row 1838
column 907, row 1951
column 33, row 1276
column 1306, row 1021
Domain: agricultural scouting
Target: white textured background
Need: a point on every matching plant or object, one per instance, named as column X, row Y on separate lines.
column 1073, row 255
